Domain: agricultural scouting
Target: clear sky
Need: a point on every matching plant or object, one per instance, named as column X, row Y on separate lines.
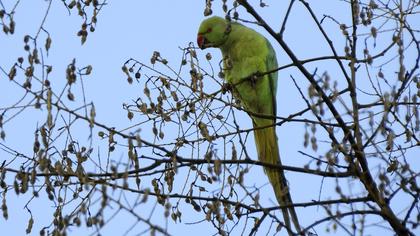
column 134, row 29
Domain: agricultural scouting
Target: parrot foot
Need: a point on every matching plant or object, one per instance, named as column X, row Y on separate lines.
column 226, row 87
column 254, row 78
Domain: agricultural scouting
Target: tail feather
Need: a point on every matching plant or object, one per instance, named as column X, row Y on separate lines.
column 268, row 152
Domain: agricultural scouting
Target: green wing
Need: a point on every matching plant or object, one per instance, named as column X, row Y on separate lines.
column 271, row 62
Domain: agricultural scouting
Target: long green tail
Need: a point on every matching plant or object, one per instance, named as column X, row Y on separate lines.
column 268, row 152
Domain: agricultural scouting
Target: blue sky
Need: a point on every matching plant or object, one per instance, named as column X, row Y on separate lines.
column 134, row 29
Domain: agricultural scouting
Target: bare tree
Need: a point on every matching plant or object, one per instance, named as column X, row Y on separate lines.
column 189, row 146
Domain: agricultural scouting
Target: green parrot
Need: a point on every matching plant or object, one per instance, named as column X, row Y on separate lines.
column 246, row 52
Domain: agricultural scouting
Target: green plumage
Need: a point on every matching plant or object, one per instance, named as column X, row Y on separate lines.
column 246, row 52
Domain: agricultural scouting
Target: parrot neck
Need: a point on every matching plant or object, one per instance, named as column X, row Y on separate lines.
column 230, row 48
column 232, row 40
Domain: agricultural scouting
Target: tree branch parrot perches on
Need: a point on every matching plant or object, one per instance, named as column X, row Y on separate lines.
column 245, row 53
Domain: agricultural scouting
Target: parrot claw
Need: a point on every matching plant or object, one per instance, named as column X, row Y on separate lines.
column 226, row 87
column 254, row 78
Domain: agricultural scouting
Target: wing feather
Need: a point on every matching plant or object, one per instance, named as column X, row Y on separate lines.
column 271, row 63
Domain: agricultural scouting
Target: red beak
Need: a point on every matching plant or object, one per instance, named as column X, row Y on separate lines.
column 200, row 41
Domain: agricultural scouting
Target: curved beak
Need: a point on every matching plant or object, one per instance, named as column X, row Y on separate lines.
column 201, row 41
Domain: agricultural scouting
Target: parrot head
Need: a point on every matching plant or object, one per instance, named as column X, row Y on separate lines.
column 213, row 32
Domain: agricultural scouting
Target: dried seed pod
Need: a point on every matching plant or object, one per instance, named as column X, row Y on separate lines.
column 137, row 75
column 4, row 207
column 130, row 115
column 374, row 32
column 30, row 225
column 12, row 73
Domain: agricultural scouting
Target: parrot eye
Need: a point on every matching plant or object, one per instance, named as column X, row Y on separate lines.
column 209, row 30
